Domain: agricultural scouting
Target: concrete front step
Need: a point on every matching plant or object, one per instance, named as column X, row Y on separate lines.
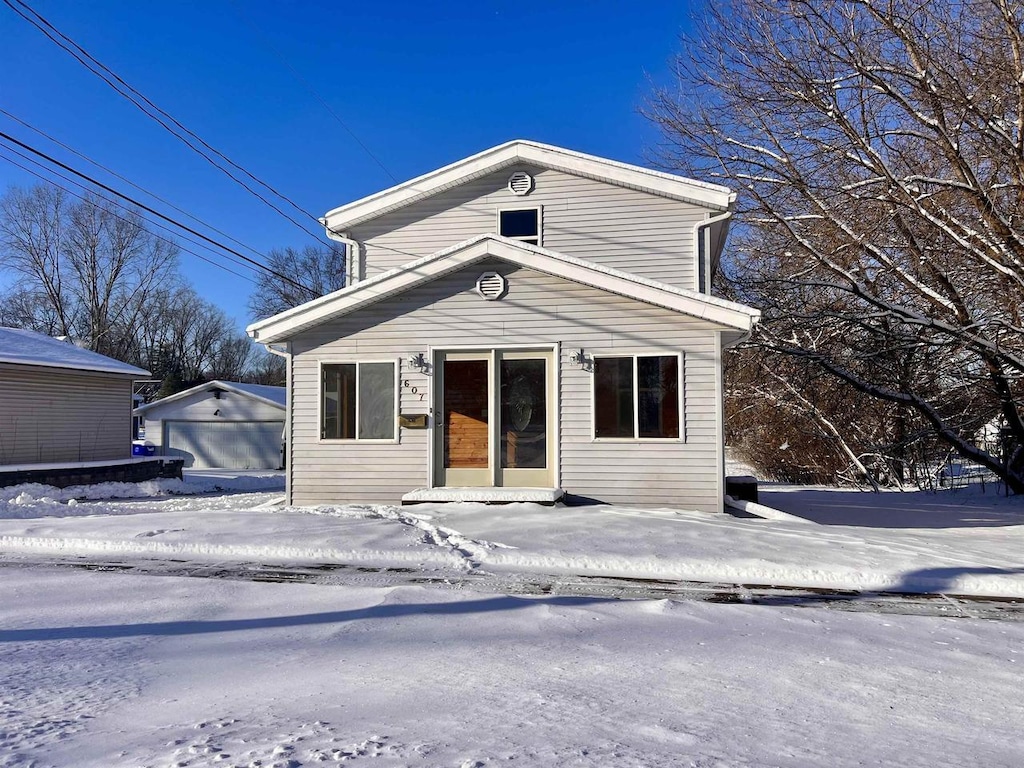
column 484, row 495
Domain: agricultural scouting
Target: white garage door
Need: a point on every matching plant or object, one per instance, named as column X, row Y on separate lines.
column 233, row 444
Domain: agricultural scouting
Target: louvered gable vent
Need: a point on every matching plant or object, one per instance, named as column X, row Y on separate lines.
column 520, row 183
column 491, row 286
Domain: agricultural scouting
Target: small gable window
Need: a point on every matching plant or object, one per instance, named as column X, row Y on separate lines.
column 520, row 224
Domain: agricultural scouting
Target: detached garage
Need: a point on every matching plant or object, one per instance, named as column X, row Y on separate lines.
column 221, row 424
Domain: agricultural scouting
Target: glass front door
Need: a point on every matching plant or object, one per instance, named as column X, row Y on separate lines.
column 495, row 418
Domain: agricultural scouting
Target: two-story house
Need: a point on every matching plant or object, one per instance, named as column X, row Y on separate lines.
column 527, row 322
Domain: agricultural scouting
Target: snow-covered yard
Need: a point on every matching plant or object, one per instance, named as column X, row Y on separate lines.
column 111, row 669
column 977, row 549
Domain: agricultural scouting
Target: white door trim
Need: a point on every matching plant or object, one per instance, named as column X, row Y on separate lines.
column 435, row 355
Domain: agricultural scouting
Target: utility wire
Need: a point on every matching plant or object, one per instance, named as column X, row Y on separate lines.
column 162, row 117
column 145, row 207
column 86, row 200
column 305, row 83
column 121, row 205
column 126, row 180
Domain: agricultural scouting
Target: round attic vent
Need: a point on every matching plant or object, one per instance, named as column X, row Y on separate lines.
column 520, row 183
column 491, row 285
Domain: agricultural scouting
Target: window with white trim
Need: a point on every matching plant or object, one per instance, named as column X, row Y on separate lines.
column 358, row 401
column 520, row 224
column 637, row 397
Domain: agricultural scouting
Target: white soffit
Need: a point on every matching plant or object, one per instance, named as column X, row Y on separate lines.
column 528, row 152
column 713, row 309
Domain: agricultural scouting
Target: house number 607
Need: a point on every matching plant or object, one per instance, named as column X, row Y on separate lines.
column 413, row 390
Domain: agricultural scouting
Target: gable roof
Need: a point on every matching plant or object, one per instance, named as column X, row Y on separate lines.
column 23, row 347
column 531, row 153
column 276, row 396
column 286, row 324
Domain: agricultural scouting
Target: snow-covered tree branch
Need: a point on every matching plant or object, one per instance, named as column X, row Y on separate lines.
column 878, row 146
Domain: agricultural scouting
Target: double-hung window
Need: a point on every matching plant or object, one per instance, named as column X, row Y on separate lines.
column 358, row 401
column 637, row 397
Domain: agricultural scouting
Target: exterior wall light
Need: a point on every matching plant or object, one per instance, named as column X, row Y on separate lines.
column 419, row 360
column 579, row 357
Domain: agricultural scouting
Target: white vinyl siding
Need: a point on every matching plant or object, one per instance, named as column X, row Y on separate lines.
column 50, row 415
column 634, row 231
column 538, row 310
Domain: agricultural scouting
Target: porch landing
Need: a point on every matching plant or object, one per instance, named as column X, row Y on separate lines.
column 546, row 496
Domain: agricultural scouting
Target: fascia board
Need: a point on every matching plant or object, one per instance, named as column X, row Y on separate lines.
column 696, row 305
column 438, row 264
column 185, row 393
column 368, row 292
column 635, row 177
column 129, row 371
column 226, row 385
column 420, row 187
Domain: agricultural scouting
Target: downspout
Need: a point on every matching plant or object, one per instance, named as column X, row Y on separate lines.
column 351, row 253
column 286, row 353
column 703, row 262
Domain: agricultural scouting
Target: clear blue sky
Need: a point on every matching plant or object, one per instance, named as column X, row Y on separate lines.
column 420, row 84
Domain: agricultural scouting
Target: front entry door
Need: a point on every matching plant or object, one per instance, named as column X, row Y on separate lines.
column 495, row 418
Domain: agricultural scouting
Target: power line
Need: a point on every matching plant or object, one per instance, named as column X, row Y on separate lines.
column 305, row 83
column 145, row 207
column 164, row 227
column 133, row 95
column 126, row 180
column 85, row 199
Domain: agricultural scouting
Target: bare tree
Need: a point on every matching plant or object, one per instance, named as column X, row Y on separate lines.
column 83, row 268
column 879, row 149
column 186, row 340
column 268, row 369
column 312, row 272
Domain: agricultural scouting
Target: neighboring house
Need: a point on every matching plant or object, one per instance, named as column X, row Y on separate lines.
column 219, row 424
column 527, row 318
column 60, row 403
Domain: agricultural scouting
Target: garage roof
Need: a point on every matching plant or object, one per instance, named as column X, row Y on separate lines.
column 276, row 396
column 23, row 347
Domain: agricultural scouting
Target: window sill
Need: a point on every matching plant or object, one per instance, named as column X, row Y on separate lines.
column 356, row 441
column 634, row 440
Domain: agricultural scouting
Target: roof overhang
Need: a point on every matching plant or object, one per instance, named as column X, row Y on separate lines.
column 209, row 386
column 727, row 314
column 669, row 185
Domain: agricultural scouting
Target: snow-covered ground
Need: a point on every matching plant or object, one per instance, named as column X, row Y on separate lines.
column 110, row 669
column 963, row 542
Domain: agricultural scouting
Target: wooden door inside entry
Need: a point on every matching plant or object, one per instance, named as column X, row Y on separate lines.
column 495, row 416
column 465, row 420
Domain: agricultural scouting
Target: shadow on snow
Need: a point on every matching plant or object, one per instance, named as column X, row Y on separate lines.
column 173, row 628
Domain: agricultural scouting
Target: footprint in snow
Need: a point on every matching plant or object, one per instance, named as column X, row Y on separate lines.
column 150, row 534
